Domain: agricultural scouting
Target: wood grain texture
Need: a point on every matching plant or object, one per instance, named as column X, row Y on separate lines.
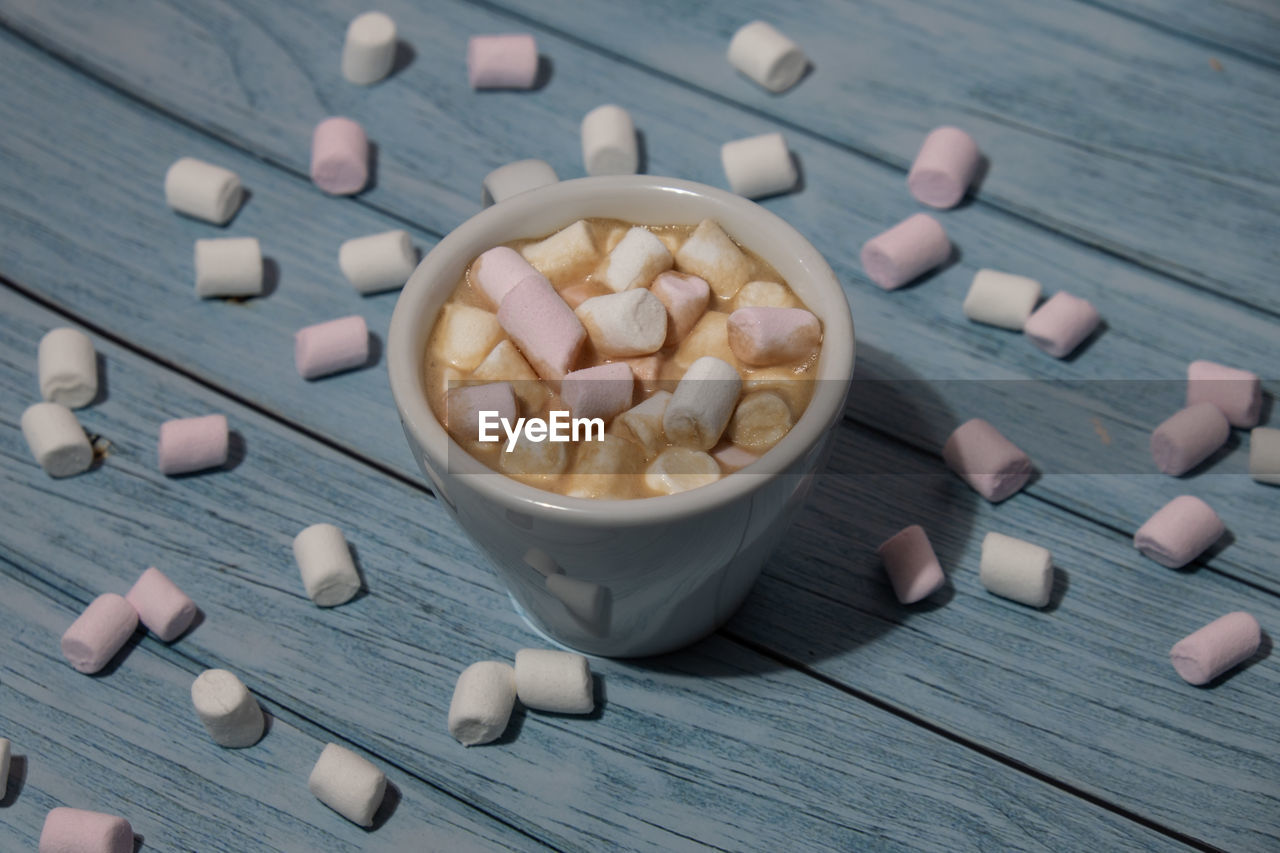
column 1248, row 27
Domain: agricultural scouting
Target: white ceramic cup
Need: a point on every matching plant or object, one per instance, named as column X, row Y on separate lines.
column 624, row 578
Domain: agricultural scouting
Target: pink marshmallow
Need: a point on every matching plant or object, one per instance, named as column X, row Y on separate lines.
column 603, row 391
column 1227, row 641
column 912, row 566
column 1179, row 531
column 732, row 457
column 947, row 163
column 498, row 270
column 767, row 336
column 464, row 405
column 331, row 347
column 991, row 464
column 166, row 610
column 1238, row 393
column 193, row 444
column 1188, row 438
column 543, row 327
column 99, row 632
column 339, row 156
column 1061, row 324
column 685, row 298
column 79, row 831
column 502, row 62
column 906, row 251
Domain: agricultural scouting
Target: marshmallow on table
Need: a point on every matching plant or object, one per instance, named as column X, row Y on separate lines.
column 991, row 464
column 499, row 269
column 678, row 469
column 711, row 254
column 759, row 421
column 637, row 258
column 378, row 262
column 68, row 368
column 99, row 632
column 504, row 363
column 602, row 391
column 767, row 56
column 348, row 783
column 906, row 251
column 911, row 564
column 945, row 166
column 767, row 336
column 230, row 714
column 633, row 322
column 514, row 178
column 702, row 403
column 609, row 142
column 228, row 266
column 1264, row 455
column 1061, row 324
column 1188, row 438
column 79, row 831
column 464, row 335
column 339, row 156
column 1179, row 531
column 1016, row 569
column 758, row 165
column 331, row 347
column 1238, row 393
column 685, row 298
column 4, row 766
column 165, row 609
column 482, row 702
column 1001, row 299
column 325, row 563
column 1226, row 642
column 569, row 251
column 369, row 51
column 464, row 405
column 502, row 61
column 549, row 680
column 56, row 439
column 203, row 190
column 643, row 422
column 732, row 457
column 764, row 294
column 193, row 444
column 543, row 327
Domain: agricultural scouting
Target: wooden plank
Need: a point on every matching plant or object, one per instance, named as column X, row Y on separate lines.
column 1247, row 27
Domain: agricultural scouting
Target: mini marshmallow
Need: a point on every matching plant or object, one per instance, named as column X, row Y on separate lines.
column 1001, row 299
column 504, row 363
column 602, row 391
column 502, row 61
column 228, row 266
column 643, row 422
column 1238, row 393
column 464, row 405
column 464, row 335
column 325, row 563
column 4, row 766
column 1188, row 438
column 56, row 439
column 339, row 156
column 947, row 163
column 1264, row 455
column 348, row 783
column 99, row 632
column 331, row 347
column 543, row 327
column 609, row 142
column 569, row 252
column 762, row 337
column 767, row 56
column 369, row 51
column 906, row 251
column 759, row 421
column 203, row 190
column 633, row 322
column 192, row 444
column 230, row 714
column 586, row 601
column 165, row 609
column 515, row 178
column 1179, row 532
column 764, row 294
column 991, row 464
column 1015, row 569
column 708, row 337
column 378, row 262
column 710, row 254
column 759, row 166
column 784, row 382
column 702, row 404
column 603, row 468
column 637, row 258
column 79, row 831
column 685, row 297
column 1224, row 643
column 732, row 457
column 911, row 564
column 482, row 702
column 68, row 368
column 549, row 680
column 678, row 469
column 498, row 270
column 1061, row 324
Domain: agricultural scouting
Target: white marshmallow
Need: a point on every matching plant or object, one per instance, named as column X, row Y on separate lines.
column 228, row 710
column 702, row 403
column 482, row 702
column 68, row 368
column 633, row 322
column 378, row 262
column 759, row 165
column 549, row 680
column 678, row 469
column 609, row 142
column 325, row 563
column 203, row 190
column 760, row 421
column 568, row 251
column 586, row 601
column 4, row 766
column 56, row 439
column 710, row 254
column 229, row 266
column 348, row 783
column 765, row 294
column 464, row 335
column 636, row 260
column 767, row 56
column 1016, row 569
column 514, row 178
column 370, row 48
column 643, row 422
column 1264, row 455
column 605, row 469
column 1001, row 299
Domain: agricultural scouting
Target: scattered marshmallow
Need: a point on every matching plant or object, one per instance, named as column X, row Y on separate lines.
column 685, row 297
column 759, row 421
column 464, row 335
column 568, row 252
column 325, row 563
column 378, row 262
column 759, row 166
column 767, row 56
column 1001, row 299
column 502, row 62
column 678, row 469
column 331, row 347
column 1238, row 393
column 464, row 405
column 56, row 439
column 228, row 266
column 1061, row 324
column 643, row 422
column 764, row 294
column 1016, row 569
column 713, row 256
column 68, row 368
column 230, row 714
column 763, row 337
column 482, row 702
column 369, row 51
column 911, row 564
column 515, row 178
column 1224, row 643
column 339, row 156
column 498, row 270
column 99, row 632
column 708, row 337
column 609, row 142
column 193, row 444
column 203, row 190
column 991, row 464
column 1188, row 438
column 1181, row 530
column 732, row 457
column 633, row 322
column 544, row 328
column 549, row 680
column 947, row 163
column 702, row 404
column 78, row 831
column 1264, row 455
column 5, row 749
column 162, row 607
column 504, row 363
column 906, row 251
column 348, row 783
column 602, row 391
column 586, row 601
column 637, row 258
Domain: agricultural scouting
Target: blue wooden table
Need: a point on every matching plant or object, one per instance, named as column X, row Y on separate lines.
column 1133, row 162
